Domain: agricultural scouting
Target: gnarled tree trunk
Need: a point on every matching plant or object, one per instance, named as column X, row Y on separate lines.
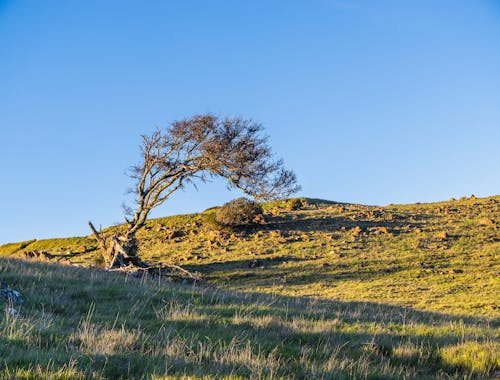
column 118, row 250
column 119, row 253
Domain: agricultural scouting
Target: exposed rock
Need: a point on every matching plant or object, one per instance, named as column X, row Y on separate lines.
column 259, row 219
column 36, row 254
column 441, row 235
column 275, row 211
column 379, row 230
column 172, row 234
column 158, row 227
column 356, row 231
column 337, row 209
column 13, row 313
column 278, row 236
column 304, row 237
column 486, row 222
column 254, row 263
column 11, row 296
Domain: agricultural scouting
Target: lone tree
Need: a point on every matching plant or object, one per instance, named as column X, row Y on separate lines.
column 197, row 148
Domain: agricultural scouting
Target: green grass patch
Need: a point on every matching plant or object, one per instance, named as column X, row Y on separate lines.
column 80, row 323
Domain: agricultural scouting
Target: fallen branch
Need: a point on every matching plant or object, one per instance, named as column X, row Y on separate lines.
column 161, row 271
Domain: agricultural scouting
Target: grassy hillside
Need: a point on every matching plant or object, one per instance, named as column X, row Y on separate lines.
column 80, row 323
column 432, row 257
column 327, row 291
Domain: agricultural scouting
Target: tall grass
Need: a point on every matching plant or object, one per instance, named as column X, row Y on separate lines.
column 79, row 323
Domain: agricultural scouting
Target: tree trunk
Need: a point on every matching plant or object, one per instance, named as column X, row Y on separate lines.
column 117, row 249
column 118, row 252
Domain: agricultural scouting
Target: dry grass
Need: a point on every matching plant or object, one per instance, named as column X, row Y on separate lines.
column 329, row 291
column 79, row 323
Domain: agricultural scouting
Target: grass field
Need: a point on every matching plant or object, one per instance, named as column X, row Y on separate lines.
column 329, row 291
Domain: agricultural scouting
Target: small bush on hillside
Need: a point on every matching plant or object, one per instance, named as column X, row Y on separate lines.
column 210, row 220
column 238, row 212
column 295, row 204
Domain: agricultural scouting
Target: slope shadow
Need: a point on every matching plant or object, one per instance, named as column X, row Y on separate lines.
column 333, row 223
column 271, row 270
column 296, row 325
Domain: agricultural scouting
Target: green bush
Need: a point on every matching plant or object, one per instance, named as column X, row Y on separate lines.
column 209, row 220
column 295, row 204
column 238, row 212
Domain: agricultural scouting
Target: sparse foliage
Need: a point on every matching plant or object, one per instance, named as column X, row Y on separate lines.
column 238, row 212
column 197, row 149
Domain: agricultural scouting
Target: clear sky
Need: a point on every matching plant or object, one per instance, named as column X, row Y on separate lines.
column 371, row 102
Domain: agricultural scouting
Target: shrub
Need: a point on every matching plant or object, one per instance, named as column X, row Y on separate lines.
column 295, row 204
column 209, row 220
column 238, row 212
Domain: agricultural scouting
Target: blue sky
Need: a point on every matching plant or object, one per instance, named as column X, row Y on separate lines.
column 372, row 102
